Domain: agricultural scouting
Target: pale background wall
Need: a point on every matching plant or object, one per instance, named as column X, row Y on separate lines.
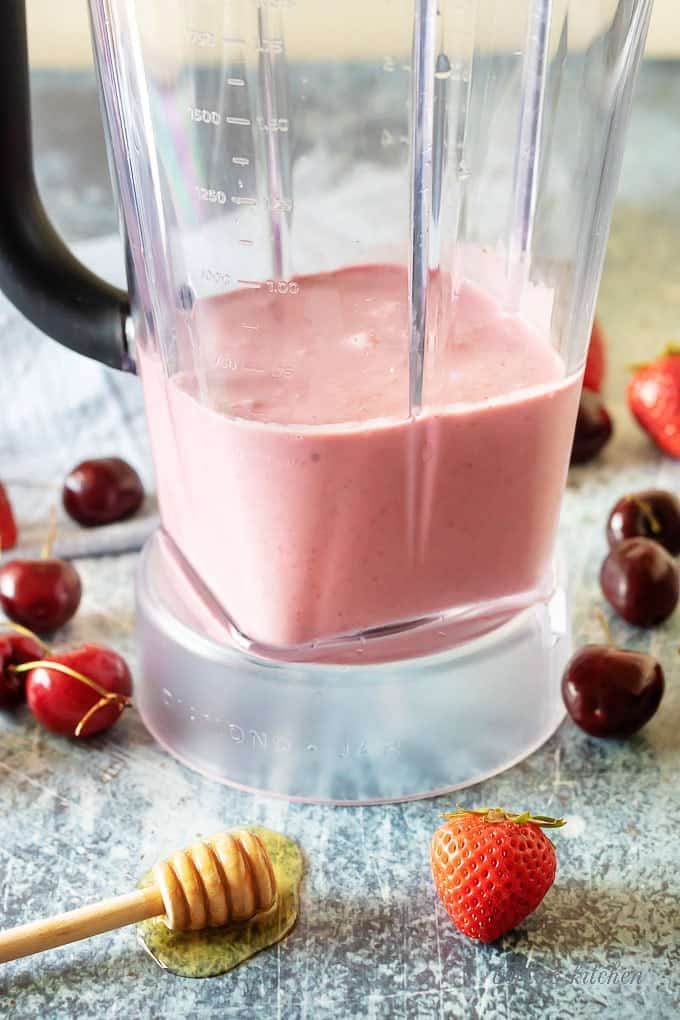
column 59, row 32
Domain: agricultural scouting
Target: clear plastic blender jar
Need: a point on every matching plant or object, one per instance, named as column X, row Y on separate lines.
column 365, row 242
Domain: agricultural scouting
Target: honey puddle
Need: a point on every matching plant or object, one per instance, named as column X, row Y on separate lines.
column 200, row 954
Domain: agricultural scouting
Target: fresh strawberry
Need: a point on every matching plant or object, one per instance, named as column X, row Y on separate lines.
column 491, row 869
column 595, row 362
column 654, row 398
column 8, row 528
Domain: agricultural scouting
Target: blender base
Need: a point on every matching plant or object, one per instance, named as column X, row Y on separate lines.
column 345, row 734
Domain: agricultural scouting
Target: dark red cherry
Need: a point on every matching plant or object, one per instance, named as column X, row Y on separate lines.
column 611, row 692
column 102, row 491
column 15, row 649
column 653, row 513
column 593, row 428
column 640, row 580
column 39, row 594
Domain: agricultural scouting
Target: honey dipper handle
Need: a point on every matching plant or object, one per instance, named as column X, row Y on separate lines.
column 80, row 924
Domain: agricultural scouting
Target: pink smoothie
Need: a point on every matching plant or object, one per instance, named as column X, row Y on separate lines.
column 295, row 484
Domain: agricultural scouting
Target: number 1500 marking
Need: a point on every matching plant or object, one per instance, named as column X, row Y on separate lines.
column 204, row 116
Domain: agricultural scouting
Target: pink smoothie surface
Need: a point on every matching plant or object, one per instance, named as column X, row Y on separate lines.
column 295, row 484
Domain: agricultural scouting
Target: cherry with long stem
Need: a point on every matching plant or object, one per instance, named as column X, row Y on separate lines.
column 115, row 670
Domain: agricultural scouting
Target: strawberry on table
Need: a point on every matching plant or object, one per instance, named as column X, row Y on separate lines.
column 654, row 398
column 491, row 869
column 8, row 528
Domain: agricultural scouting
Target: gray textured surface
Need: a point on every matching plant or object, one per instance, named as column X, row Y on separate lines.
column 80, row 822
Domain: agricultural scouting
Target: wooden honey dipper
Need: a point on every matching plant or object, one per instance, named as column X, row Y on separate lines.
column 226, row 878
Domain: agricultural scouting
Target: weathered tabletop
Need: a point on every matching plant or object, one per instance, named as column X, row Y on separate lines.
column 81, row 822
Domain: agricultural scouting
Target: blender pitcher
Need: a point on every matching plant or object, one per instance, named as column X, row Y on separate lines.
column 364, row 242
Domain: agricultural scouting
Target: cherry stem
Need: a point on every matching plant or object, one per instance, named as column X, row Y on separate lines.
column 645, row 509
column 496, row 814
column 26, row 632
column 95, row 708
column 51, row 534
column 105, row 697
column 604, row 624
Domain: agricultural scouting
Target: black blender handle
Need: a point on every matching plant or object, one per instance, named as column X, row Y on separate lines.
column 38, row 273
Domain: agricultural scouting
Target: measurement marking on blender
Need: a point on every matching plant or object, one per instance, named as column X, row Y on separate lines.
column 240, row 161
column 200, row 38
column 200, row 114
column 239, row 200
column 246, row 242
column 282, row 287
column 215, row 276
column 211, row 195
column 221, row 361
column 237, row 82
column 236, row 40
column 272, row 124
column 250, row 283
column 271, row 46
column 279, row 204
column 247, row 325
column 239, row 121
